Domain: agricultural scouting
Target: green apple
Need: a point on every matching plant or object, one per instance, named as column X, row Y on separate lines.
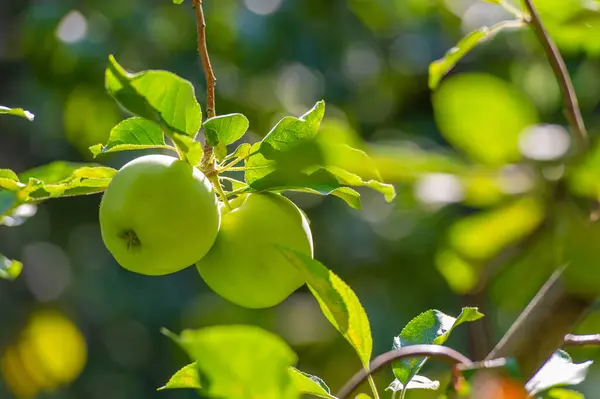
column 159, row 215
column 244, row 266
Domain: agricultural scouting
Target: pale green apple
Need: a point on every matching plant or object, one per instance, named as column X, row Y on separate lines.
column 159, row 215
column 244, row 266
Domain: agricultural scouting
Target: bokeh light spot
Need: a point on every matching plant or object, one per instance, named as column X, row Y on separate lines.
column 263, row 7
column 72, row 28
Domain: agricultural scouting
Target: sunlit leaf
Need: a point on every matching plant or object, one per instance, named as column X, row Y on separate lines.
column 337, row 301
column 159, row 96
column 242, row 151
column 417, row 382
column 309, row 384
column 187, row 377
column 9, row 269
column 288, row 147
column 17, row 112
column 190, row 149
column 53, row 172
column 438, row 69
column 225, row 129
column 318, row 179
column 62, row 179
column 9, row 180
column 350, row 179
column 483, row 116
column 430, row 327
column 240, row 362
column 132, row 134
column 558, row 371
column 346, row 194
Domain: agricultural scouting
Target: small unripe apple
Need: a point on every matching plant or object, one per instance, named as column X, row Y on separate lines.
column 159, row 215
column 244, row 266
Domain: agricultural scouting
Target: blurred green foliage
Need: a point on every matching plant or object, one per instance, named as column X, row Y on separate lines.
column 369, row 60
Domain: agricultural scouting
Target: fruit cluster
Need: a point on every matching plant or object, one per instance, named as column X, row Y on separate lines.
column 160, row 215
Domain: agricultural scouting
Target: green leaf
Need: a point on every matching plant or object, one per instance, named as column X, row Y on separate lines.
column 289, row 158
column 9, row 269
column 159, row 96
column 240, row 362
column 242, row 151
column 362, row 396
column 417, row 382
column 558, row 371
column 62, row 179
column 177, row 1
column 17, row 112
column 290, row 131
column 225, row 129
column 350, row 179
column 438, row 69
column 483, row 116
column 9, row 180
column 132, row 134
column 351, row 159
column 189, row 148
column 287, row 147
column 187, row 377
column 53, row 172
column 338, row 302
column 347, row 194
column 309, row 384
column 561, row 393
column 430, row 327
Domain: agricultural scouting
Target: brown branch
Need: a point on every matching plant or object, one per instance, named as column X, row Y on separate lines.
column 571, row 104
column 540, row 330
column 448, row 354
column 211, row 80
column 582, row 340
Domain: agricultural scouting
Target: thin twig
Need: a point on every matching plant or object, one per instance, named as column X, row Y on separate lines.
column 448, row 354
column 571, row 104
column 211, row 80
column 207, row 164
column 582, row 340
column 554, row 312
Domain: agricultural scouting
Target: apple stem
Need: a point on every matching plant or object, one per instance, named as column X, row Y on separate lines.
column 231, row 164
column 180, row 153
column 214, row 179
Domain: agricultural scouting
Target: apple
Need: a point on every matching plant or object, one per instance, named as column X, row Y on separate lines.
column 244, row 266
column 159, row 215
